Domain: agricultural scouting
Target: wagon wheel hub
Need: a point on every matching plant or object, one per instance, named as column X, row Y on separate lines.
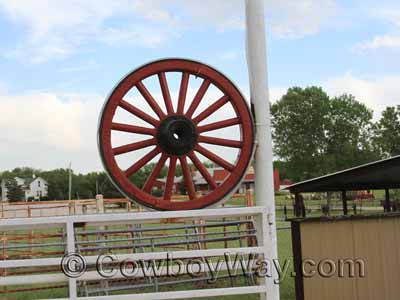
column 177, row 135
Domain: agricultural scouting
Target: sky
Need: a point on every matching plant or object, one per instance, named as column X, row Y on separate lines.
column 60, row 59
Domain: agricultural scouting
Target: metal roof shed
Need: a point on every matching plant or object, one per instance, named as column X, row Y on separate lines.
column 383, row 174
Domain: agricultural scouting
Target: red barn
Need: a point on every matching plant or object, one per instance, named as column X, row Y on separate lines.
column 219, row 175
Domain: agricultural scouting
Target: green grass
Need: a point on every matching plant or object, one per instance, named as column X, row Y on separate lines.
column 33, row 295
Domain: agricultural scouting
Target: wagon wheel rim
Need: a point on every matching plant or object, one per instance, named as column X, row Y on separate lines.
column 177, row 135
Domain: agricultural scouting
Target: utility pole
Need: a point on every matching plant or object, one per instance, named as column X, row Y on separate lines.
column 264, row 180
column 70, row 182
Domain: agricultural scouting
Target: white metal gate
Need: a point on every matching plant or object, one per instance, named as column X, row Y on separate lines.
column 69, row 223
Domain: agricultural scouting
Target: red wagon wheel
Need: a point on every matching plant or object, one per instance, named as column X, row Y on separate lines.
column 177, row 135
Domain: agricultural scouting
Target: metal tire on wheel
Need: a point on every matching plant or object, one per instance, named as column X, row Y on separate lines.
column 176, row 135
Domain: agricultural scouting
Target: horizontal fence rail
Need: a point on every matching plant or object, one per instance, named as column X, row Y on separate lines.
column 25, row 209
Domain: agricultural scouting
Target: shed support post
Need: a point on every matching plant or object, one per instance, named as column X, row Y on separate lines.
column 299, row 208
column 296, row 205
column 386, row 206
column 344, row 202
column 328, row 202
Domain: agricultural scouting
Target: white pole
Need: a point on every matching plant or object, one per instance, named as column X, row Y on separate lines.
column 264, row 183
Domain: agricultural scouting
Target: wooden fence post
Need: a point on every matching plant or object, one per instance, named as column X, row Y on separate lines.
column 344, row 203
column 249, row 198
column 71, row 207
column 99, row 204
column 249, row 227
column 4, row 273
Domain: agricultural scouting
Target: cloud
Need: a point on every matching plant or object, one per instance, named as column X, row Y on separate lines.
column 58, row 29
column 388, row 15
column 89, row 65
column 221, row 15
column 276, row 93
column 46, row 130
column 297, row 19
column 386, row 41
column 49, row 120
column 36, row 53
column 49, row 129
column 375, row 93
column 136, row 36
column 287, row 19
column 3, row 87
column 229, row 55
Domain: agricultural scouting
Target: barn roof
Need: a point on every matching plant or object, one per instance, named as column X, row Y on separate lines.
column 382, row 174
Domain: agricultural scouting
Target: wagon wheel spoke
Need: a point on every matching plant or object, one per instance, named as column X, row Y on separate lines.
column 211, row 109
column 141, row 162
column 155, row 173
column 218, row 125
column 150, row 100
column 138, row 113
column 133, row 129
column 134, row 146
column 182, row 92
column 203, row 170
column 187, row 176
column 197, row 99
column 219, row 142
column 165, row 92
column 170, row 178
column 215, row 158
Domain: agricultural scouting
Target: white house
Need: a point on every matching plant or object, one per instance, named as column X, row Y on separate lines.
column 34, row 188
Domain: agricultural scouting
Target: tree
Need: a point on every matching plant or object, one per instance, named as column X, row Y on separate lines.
column 14, row 191
column 106, row 187
column 83, row 185
column 25, row 172
column 284, row 173
column 298, row 120
column 349, row 134
column 387, row 132
column 57, row 183
column 314, row 134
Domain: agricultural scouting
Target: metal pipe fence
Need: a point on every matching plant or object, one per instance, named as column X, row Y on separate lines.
column 196, row 234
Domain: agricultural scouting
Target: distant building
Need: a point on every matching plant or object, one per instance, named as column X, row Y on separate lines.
column 284, row 184
column 219, row 175
column 34, row 188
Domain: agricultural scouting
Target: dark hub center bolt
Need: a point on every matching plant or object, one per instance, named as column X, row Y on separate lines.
column 177, row 135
